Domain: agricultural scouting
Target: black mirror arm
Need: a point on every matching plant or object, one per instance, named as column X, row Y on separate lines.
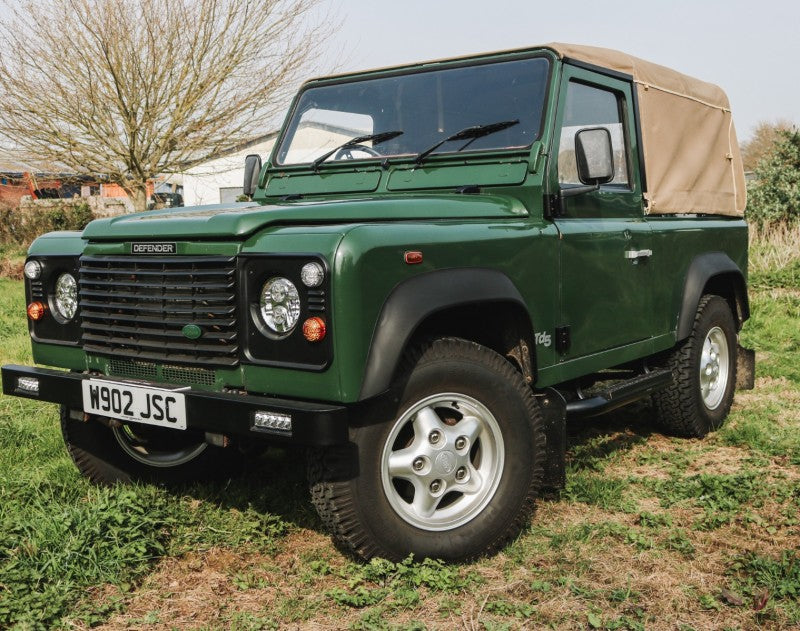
column 573, row 191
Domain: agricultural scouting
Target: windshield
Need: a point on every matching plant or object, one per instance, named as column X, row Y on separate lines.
column 427, row 107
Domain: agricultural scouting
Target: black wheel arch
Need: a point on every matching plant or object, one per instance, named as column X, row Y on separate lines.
column 449, row 302
column 712, row 273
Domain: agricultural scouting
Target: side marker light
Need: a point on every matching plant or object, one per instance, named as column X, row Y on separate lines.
column 413, row 258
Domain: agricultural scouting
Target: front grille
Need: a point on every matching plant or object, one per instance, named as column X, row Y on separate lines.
column 137, row 306
column 168, row 374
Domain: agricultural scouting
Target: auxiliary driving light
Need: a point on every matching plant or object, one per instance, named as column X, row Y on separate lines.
column 36, row 311
column 28, row 384
column 272, row 421
column 314, row 329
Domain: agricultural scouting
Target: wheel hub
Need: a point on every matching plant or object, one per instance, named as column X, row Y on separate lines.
column 446, row 462
column 714, row 360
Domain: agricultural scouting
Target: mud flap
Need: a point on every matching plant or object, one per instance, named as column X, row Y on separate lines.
column 745, row 368
column 554, row 411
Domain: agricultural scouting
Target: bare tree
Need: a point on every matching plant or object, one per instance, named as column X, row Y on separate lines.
column 762, row 142
column 131, row 89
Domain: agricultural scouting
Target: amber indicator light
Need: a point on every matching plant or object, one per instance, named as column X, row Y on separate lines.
column 36, row 311
column 314, row 329
column 412, row 258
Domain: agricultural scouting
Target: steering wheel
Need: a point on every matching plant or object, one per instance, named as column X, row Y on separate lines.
column 346, row 153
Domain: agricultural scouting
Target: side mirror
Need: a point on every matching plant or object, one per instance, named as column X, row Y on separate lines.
column 594, row 156
column 252, row 169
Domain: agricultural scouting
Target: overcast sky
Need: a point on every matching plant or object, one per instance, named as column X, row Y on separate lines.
column 751, row 49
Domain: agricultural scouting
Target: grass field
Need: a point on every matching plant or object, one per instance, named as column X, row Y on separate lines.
column 651, row 532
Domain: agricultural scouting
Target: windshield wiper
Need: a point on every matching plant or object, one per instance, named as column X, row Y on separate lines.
column 470, row 134
column 375, row 138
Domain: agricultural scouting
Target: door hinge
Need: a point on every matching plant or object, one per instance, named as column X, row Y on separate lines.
column 562, row 339
column 554, row 207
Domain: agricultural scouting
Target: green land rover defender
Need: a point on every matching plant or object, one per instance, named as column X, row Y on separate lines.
column 439, row 266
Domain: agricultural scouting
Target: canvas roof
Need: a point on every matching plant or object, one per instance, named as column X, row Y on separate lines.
column 691, row 153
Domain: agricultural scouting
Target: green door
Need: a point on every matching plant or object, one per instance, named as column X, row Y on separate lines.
column 605, row 244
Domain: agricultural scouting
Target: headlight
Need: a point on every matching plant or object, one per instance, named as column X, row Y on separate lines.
column 280, row 304
column 66, row 298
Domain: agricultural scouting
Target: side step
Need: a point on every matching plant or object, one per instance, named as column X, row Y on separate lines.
column 620, row 394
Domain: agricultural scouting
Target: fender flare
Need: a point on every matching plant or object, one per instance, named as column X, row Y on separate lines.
column 702, row 269
column 417, row 298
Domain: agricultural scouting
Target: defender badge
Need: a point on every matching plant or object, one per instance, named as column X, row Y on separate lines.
column 154, row 248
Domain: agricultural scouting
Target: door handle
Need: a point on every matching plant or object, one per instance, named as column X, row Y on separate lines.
column 638, row 254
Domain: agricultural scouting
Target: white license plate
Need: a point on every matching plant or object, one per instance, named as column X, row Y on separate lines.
column 123, row 401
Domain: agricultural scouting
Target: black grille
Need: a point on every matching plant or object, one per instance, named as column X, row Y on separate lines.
column 136, row 307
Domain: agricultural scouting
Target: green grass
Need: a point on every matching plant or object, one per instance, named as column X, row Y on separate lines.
column 648, row 526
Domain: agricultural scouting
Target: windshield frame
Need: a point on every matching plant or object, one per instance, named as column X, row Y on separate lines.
column 408, row 158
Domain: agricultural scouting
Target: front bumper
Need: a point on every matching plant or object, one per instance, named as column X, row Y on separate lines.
column 226, row 413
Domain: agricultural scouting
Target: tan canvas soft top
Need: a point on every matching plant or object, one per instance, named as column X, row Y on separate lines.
column 691, row 153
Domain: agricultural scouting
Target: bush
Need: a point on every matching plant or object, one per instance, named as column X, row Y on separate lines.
column 774, row 197
column 22, row 227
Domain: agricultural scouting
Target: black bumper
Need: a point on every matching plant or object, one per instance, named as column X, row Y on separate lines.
column 218, row 412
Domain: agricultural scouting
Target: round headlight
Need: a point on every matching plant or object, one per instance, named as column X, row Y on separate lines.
column 312, row 274
column 280, row 304
column 66, row 299
column 33, row 269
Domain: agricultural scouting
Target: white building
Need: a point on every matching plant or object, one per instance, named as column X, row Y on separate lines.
column 219, row 181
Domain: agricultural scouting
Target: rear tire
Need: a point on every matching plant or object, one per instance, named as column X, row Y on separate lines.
column 108, row 453
column 704, row 371
column 451, row 469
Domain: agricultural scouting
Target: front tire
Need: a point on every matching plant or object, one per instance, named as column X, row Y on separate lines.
column 110, row 452
column 704, row 371
column 450, row 470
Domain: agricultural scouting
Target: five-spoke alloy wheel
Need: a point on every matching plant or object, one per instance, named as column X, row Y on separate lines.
column 442, row 461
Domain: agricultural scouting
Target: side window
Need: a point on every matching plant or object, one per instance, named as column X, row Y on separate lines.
column 589, row 106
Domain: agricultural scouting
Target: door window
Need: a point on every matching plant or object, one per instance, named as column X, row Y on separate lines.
column 589, row 106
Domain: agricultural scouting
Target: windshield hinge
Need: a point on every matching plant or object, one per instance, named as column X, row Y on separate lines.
column 553, row 206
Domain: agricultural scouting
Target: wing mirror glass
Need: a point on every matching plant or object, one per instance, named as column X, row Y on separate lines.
column 252, row 169
column 594, row 156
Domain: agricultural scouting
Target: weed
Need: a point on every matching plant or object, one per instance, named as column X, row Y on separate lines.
column 707, row 601
column 246, row 621
column 780, row 577
column 713, row 492
column 650, row 520
column 679, row 541
column 248, row 580
column 601, row 490
column 541, row 586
